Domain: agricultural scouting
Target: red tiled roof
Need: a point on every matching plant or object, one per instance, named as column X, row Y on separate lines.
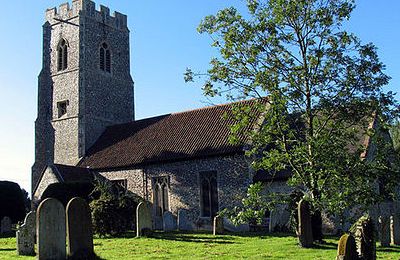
column 192, row 134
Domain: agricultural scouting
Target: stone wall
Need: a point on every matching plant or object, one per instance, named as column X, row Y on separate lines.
column 233, row 178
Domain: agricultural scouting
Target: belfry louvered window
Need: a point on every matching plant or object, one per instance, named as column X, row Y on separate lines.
column 62, row 55
column 105, row 58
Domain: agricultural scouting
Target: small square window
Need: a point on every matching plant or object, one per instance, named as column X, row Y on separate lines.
column 62, row 108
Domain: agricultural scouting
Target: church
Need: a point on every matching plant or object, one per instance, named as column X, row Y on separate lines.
column 85, row 127
column 85, row 124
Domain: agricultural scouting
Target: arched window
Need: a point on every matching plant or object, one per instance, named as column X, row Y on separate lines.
column 208, row 194
column 161, row 195
column 62, row 55
column 105, row 58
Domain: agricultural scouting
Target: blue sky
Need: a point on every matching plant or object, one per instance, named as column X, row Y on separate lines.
column 164, row 41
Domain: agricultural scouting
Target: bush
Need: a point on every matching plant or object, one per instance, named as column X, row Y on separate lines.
column 113, row 210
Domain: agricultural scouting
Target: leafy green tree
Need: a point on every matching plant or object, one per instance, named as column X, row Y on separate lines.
column 12, row 201
column 323, row 88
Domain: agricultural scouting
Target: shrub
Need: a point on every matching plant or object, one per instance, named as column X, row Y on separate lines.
column 113, row 210
column 12, row 201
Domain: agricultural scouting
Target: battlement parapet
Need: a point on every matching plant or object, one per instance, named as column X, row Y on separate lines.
column 87, row 8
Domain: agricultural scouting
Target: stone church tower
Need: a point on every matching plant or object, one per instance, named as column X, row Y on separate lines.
column 85, row 83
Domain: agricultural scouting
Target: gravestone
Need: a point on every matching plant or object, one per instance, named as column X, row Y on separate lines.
column 304, row 230
column 395, row 224
column 365, row 238
column 26, row 235
column 184, row 223
column 144, row 221
column 169, row 221
column 218, row 225
column 384, row 230
column 5, row 225
column 79, row 230
column 347, row 249
column 51, row 230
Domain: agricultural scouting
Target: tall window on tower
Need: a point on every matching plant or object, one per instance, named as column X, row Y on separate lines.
column 105, row 58
column 160, row 191
column 208, row 194
column 62, row 55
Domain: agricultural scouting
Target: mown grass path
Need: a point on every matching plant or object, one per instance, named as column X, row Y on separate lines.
column 206, row 246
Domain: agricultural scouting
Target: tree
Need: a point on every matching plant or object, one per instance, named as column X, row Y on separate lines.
column 12, row 201
column 323, row 89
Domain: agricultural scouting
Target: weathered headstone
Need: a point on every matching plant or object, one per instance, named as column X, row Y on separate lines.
column 384, row 230
column 347, row 249
column 229, row 226
column 144, row 221
column 169, row 221
column 305, row 228
column 79, row 230
column 395, row 224
column 184, row 223
column 51, row 230
column 26, row 235
column 6, row 225
column 218, row 225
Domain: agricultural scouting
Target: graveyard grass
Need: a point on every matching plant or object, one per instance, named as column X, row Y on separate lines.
column 206, row 246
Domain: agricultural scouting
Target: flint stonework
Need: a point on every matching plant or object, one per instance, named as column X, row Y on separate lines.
column 51, row 230
column 26, row 235
column 169, row 221
column 144, row 222
column 79, row 230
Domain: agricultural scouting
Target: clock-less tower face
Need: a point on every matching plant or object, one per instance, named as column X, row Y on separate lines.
column 85, row 83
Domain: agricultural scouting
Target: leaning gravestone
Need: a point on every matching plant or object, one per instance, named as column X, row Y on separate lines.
column 169, row 221
column 218, row 226
column 305, row 230
column 5, row 225
column 79, row 230
column 26, row 235
column 184, row 223
column 144, row 221
column 51, row 230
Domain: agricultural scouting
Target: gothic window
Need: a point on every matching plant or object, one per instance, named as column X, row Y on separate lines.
column 105, row 58
column 62, row 108
column 62, row 55
column 208, row 194
column 160, row 191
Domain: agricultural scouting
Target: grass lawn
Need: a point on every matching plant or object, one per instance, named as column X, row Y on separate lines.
column 206, row 246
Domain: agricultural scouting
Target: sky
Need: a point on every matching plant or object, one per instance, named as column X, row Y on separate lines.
column 164, row 42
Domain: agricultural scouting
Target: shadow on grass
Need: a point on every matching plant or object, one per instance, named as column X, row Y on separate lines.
column 325, row 245
column 391, row 249
column 7, row 249
column 192, row 237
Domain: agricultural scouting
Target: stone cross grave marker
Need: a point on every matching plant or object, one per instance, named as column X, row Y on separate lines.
column 218, row 225
column 169, row 221
column 51, row 230
column 5, row 225
column 79, row 230
column 184, row 223
column 26, row 235
column 144, row 221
